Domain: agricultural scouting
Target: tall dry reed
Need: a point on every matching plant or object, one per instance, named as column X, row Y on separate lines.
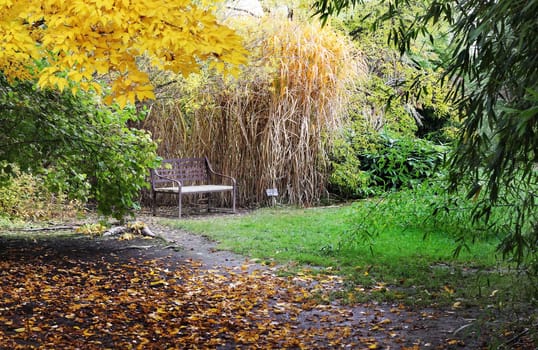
column 270, row 127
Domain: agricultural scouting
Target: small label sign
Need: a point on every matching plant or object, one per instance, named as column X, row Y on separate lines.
column 272, row 192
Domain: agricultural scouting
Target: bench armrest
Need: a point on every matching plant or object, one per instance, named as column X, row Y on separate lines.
column 156, row 173
column 222, row 175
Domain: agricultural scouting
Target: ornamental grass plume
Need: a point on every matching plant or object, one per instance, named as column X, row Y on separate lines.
column 271, row 126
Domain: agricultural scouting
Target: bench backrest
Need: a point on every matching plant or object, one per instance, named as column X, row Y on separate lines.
column 186, row 170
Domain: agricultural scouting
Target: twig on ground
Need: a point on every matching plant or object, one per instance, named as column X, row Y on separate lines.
column 514, row 338
column 462, row 328
column 173, row 246
column 147, row 232
column 143, row 247
column 51, row 228
column 116, row 231
column 144, row 231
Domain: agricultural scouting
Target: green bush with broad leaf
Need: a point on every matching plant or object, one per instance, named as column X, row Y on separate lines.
column 368, row 164
column 398, row 116
column 401, row 161
column 80, row 147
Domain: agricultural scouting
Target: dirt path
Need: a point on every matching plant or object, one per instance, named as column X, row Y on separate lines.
column 197, row 247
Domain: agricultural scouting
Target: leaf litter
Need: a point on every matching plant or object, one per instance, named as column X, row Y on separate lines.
column 95, row 294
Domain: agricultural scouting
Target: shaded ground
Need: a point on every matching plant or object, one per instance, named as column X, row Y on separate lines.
column 179, row 292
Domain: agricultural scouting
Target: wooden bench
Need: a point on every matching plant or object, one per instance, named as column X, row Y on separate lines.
column 188, row 176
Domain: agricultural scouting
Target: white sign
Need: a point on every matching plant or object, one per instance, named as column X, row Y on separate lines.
column 272, row 192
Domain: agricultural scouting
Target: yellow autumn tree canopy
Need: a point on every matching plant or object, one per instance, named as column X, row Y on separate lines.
column 83, row 40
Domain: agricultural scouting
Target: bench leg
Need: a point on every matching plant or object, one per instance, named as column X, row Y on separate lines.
column 179, row 204
column 233, row 200
column 153, row 202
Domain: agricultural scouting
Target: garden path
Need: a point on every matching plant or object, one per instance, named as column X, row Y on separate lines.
column 185, row 293
column 387, row 326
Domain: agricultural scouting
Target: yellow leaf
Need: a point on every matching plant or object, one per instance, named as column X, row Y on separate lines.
column 127, row 236
column 97, row 88
column 455, row 342
column 20, row 330
column 158, row 283
column 61, row 83
column 155, row 316
column 74, row 76
column 121, row 100
column 108, row 100
column 145, row 94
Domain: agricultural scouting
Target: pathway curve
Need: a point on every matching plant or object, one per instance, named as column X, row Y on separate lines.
column 425, row 328
column 198, row 247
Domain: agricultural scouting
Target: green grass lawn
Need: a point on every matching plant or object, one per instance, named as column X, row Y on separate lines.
column 412, row 262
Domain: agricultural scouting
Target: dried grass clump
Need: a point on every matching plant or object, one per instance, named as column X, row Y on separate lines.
column 25, row 196
column 271, row 126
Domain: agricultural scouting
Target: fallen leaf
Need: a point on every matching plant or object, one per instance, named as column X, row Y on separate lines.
column 455, row 342
column 448, row 289
column 385, row 321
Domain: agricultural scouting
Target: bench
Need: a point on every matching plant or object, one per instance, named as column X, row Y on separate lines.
column 188, row 176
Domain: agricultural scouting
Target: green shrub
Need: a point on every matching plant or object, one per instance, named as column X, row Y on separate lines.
column 79, row 146
column 367, row 164
column 401, row 162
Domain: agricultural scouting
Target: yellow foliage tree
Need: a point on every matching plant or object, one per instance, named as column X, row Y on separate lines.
column 82, row 40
